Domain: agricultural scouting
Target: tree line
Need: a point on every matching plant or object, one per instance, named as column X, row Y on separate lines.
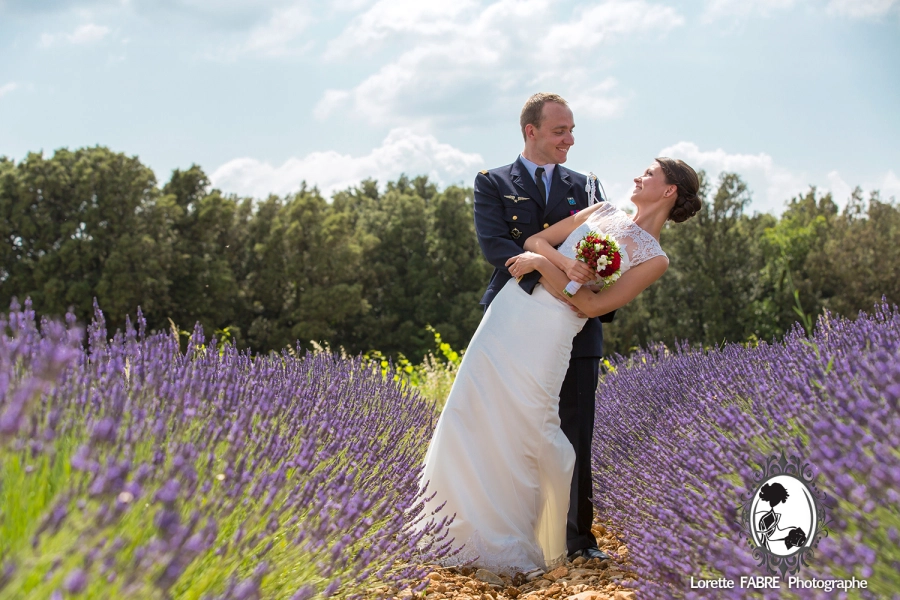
column 373, row 266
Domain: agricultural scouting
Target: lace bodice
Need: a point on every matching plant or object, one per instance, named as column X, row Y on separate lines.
column 636, row 244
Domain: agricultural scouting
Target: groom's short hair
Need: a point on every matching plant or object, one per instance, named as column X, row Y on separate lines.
column 534, row 109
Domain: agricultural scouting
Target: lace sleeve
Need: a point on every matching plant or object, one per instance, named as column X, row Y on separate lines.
column 645, row 247
column 640, row 245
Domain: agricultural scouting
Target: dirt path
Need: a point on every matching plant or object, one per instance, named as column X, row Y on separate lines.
column 578, row 580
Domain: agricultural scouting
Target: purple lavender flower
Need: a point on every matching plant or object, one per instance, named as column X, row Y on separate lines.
column 680, row 433
column 75, row 581
column 166, row 458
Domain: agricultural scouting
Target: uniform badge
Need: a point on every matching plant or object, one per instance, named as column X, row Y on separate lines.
column 572, row 212
column 516, row 199
column 516, row 234
column 571, row 201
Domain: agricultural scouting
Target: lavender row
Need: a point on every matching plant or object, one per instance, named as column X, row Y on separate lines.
column 136, row 469
column 681, row 437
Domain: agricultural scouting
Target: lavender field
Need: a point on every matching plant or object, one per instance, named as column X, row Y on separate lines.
column 134, row 469
column 680, row 434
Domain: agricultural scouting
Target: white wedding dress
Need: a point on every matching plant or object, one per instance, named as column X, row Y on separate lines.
column 498, row 459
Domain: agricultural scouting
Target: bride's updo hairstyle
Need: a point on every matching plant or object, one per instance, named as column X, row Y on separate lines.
column 682, row 175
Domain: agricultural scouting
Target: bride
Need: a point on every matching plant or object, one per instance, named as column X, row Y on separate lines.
column 498, row 461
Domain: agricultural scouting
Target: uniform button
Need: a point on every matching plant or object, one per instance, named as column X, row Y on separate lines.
column 546, row 225
column 515, row 218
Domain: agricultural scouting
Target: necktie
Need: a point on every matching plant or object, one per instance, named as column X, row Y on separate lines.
column 539, row 180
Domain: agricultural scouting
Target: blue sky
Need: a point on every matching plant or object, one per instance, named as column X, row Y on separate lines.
column 266, row 94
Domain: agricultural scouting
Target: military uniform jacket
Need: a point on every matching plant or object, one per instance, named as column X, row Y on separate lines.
column 509, row 209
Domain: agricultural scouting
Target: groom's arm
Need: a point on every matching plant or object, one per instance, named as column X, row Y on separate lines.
column 493, row 231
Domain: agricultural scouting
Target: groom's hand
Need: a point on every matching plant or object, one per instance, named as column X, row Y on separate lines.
column 524, row 263
column 562, row 298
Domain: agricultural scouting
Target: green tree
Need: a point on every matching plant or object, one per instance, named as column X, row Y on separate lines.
column 261, row 280
column 860, row 262
column 75, row 229
column 790, row 277
column 203, row 286
column 396, row 272
column 423, row 266
column 459, row 273
column 371, row 270
column 303, row 265
column 323, row 270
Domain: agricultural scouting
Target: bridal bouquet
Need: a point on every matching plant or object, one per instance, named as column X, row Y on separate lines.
column 601, row 254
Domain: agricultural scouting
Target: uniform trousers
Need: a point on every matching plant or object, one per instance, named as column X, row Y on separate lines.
column 576, row 413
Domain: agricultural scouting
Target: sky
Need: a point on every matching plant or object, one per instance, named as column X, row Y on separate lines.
column 266, row 94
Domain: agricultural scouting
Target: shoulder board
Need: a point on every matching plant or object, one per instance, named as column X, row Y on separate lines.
column 484, row 172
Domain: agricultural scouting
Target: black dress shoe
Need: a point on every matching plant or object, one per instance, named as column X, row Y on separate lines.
column 589, row 553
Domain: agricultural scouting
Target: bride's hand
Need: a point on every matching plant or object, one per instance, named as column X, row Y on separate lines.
column 579, row 272
column 524, row 263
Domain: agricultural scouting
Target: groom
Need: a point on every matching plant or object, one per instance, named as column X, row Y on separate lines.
column 512, row 203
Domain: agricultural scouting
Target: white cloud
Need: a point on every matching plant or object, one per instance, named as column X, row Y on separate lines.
column 420, row 82
column 8, row 88
column 599, row 100
column 459, row 60
column 330, row 102
column 770, row 185
column 277, row 37
column 85, row 34
column 402, row 151
column 597, row 24
column 861, row 9
column 349, row 5
column 265, row 28
column 888, row 186
column 88, row 34
column 619, row 193
column 717, row 9
column 840, row 189
column 388, row 18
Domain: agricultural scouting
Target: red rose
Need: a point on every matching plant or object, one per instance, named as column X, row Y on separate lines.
column 612, row 266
